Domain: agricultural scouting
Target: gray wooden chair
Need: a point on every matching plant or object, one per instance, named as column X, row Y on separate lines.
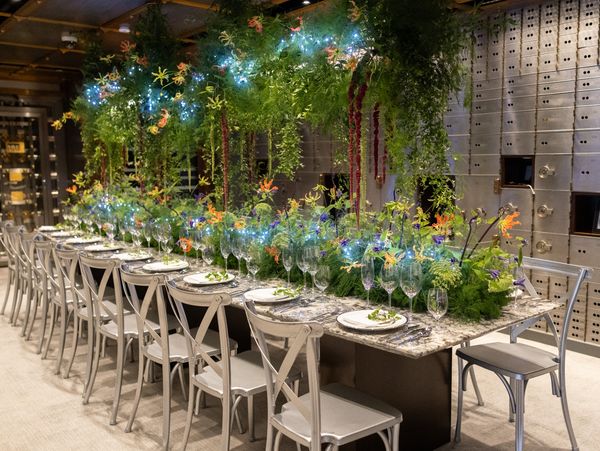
column 12, row 273
column 233, row 377
column 333, row 415
column 30, row 268
column 13, row 239
column 516, row 363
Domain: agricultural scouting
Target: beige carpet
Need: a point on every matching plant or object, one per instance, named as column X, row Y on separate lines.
column 42, row 411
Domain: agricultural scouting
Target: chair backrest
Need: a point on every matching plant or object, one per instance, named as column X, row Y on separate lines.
column 579, row 273
column 12, row 238
column 95, row 292
column 4, row 238
column 66, row 262
column 153, row 297
column 300, row 335
column 215, row 307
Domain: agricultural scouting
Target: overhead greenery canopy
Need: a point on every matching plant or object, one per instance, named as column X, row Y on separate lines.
column 388, row 64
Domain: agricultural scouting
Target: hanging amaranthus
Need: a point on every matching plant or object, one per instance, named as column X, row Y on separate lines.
column 376, row 140
column 225, row 144
column 357, row 142
column 351, row 94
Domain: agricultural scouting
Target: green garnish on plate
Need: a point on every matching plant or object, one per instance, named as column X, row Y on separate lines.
column 289, row 292
column 382, row 315
column 217, row 276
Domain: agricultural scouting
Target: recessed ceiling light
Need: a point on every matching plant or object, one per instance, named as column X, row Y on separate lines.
column 124, row 28
column 306, row 2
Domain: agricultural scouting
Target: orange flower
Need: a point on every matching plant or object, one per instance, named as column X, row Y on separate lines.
column 142, row 61
column 443, row 223
column 164, row 118
column 153, row 129
column 256, row 23
column 216, row 216
column 127, row 46
column 185, row 244
column 57, row 124
column 273, row 252
column 299, row 27
column 266, row 186
column 508, row 223
column 390, row 260
column 183, row 67
column 332, row 53
column 239, row 224
column 72, row 189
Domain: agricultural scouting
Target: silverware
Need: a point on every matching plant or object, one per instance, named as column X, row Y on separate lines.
column 421, row 333
column 408, row 330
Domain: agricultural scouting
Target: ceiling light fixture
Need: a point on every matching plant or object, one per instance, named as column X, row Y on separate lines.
column 124, row 28
column 306, row 2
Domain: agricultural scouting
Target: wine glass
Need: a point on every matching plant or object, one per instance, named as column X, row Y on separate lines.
column 237, row 245
column 185, row 243
column 389, row 280
column 197, row 244
column 437, row 302
column 411, row 280
column 225, row 246
column 208, row 253
column 287, row 257
column 253, row 261
column 148, row 231
column 367, row 275
column 163, row 233
column 136, row 230
column 109, row 229
column 167, row 247
column 303, row 264
column 310, row 254
column 321, row 278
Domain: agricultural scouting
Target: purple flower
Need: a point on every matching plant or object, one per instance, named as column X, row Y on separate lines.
column 253, row 212
column 199, row 196
column 201, row 219
column 453, row 260
column 405, row 216
column 377, row 236
column 338, row 193
column 376, row 249
column 324, row 217
column 275, row 223
column 524, row 242
column 344, row 242
column 300, row 226
column 323, row 253
column 191, row 222
column 417, row 226
column 318, row 231
column 520, row 283
column 494, row 274
column 438, row 239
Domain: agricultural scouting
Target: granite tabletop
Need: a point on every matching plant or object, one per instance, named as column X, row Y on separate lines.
column 444, row 333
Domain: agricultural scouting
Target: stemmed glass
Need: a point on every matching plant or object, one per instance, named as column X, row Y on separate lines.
column 208, row 252
column 136, row 230
column 437, row 302
column 167, row 246
column 367, row 275
column 163, row 233
column 287, row 257
column 303, row 264
column 109, row 229
column 197, row 237
column 237, row 246
column 389, row 280
column 185, row 243
column 148, row 231
column 411, row 280
column 253, row 262
column 321, row 278
column 310, row 254
column 225, row 246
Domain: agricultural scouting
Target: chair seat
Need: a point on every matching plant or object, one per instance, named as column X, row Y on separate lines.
column 178, row 351
column 111, row 306
column 129, row 327
column 510, row 359
column 247, row 376
column 346, row 415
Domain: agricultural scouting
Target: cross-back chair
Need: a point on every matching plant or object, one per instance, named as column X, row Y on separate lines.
column 12, row 273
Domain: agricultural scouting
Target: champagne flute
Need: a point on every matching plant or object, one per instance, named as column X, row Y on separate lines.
column 321, row 278
column 167, row 247
column 185, row 243
column 253, row 262
column 311, row 257
column 389, row 280
column 303, row 265
column 237, row 249
column 109, row 229
column 367, row 275
column 148, row 231
column 287, row 257
column 225, row 246
column 197, row 237
column 437, row 302
column 164, row 232
column 411, row 280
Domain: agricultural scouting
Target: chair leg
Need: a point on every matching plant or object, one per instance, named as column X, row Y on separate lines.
column 181, row 382
column 166, row 386
column 51, row 331
column 226, row 427
column 118, row 379
column 511, row 413
column 236, row 414
column 278, row 441
column 94, row 371
column 64, row 317
column 459, row 403
column 519, row 415
column 269, row 439
column 11, row 283
column 251, row 417
column 396, row 437
column 476, row 387
column 44, row 321
column 28, row 300
column 33, row 316
column 90, row 355
column 74, row 343
column 17, row 294
column 565, row 409
column 190, row 414
column 138, row 393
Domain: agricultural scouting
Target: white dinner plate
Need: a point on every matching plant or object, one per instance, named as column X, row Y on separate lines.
column 267, row 296
column 47, row 228
column 61, row 234
column 76, row 240
column 102, row 247
column 202, row 278
column 132, row 256
column 160, row 266
column 359, row 320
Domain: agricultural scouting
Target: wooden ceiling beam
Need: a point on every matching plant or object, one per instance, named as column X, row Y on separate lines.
column 192, row 4
column 38, row 65
column 28, row 7
column 125, row 17
column 40, row 47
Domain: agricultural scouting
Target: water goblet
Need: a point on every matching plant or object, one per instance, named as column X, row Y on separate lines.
column 303, row 265
column 185, row 242
column 367, row 275
column 287, row 257
column 321, row 278
column 253, row 262
column 197, row 242
column 411, row 280
column 237, row 245
column 109, row 229
column 148, row 231
column 311, row 257
column 437, row 302
column 225, row 246
column 208, row 253
column 389, row 280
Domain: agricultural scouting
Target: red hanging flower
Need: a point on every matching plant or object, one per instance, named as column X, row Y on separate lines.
column 256, row 23
column 299, row 27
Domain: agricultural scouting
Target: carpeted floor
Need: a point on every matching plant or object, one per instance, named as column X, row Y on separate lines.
column 42, row 411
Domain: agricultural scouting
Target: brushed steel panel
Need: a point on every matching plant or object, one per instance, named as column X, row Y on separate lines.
column 567, row 60
column 540, row 279
column 512, row 244
column 520, row 91
column 514, row 16
column 594, row 292
column 519, row 103
column 485, row 124
column 520, row 121
column 569, row 15
column 457, row 125
column 587, row 56
column 512, row 36
column 567, row 43
column 459, row 143
column 548, row 62
column 485, row 144
column 488, row 94
column 480, row 56
column 588, row 98
column 554, row 142
column 587, row 141
column 556, row 100
column 548, row 41
column 551, row 210
column 482, row 85
column 588, row 38
column 455, row 109
column 479, row 72
column 522, row 80
column 529, row 49
column 458, row 164
column 487, row 106
column 588, row 72
column 477, row 192
column 585, row 251
column 530, row 32
column 512, row 67
column 555, row 119
column 586, row 173
column 521, row 200
column 518, row 143
column 556, row 88
column 586, row 16
column 485, row 164
column 588, row 5
column 494, row 69
column 559, row 75
column 550, row 246
column 457, row 98
column 588, row 83
column 567, row 28
column 553, row 172
column 512, row 50
column 529, row 64
column 588, row 22
column 587, row 117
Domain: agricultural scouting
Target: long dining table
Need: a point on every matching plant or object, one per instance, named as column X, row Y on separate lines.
column 414, row 375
